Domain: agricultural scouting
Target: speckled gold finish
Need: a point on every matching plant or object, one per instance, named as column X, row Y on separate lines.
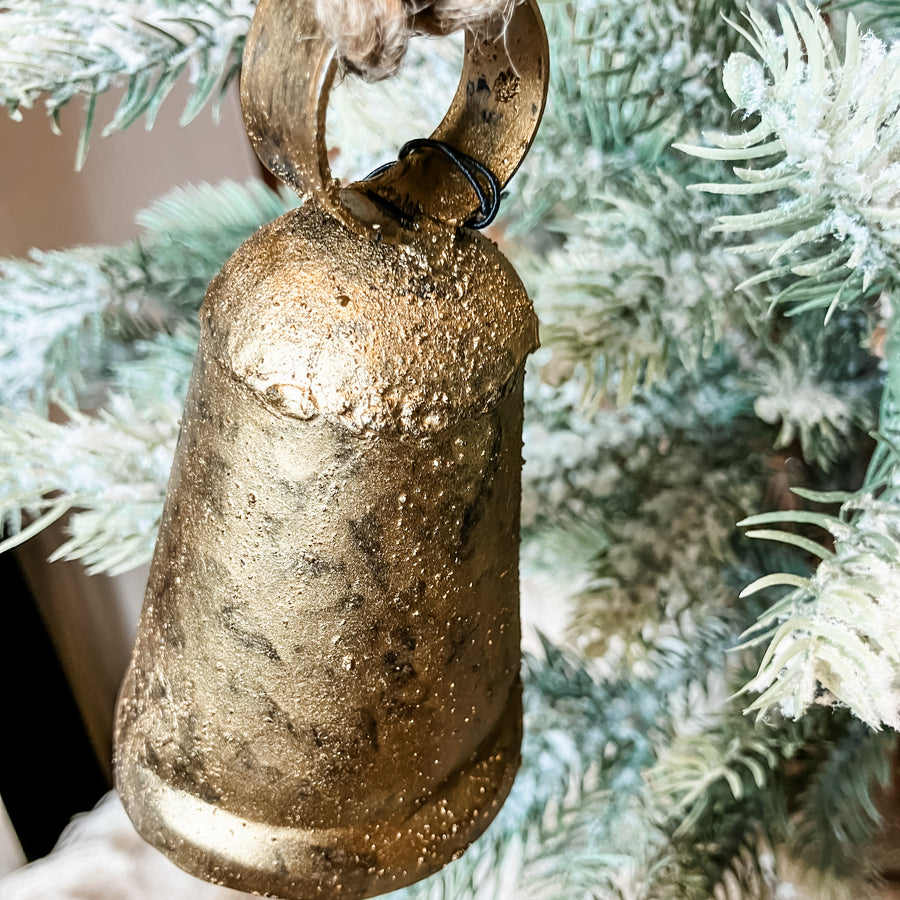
column 324, row 698
column 288, row 72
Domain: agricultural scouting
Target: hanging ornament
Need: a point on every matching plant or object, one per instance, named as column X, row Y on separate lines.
column 324, row 695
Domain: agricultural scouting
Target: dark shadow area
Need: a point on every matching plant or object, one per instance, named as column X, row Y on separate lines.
column 48, row 771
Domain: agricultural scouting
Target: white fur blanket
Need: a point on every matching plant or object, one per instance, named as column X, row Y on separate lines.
column 101, row 857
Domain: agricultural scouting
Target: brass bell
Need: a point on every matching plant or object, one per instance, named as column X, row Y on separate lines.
column 324, row 695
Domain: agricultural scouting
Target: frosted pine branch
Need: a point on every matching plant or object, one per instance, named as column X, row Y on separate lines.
column 60, row 49
column 73, row 316
column 638, row 286
column 839, row 821
column 833, row 638
column 68, row 315
column 825, row 148
column 109, row 471
column 52, row 307
column 627, row 78
column 736, row 760
column 628, row 73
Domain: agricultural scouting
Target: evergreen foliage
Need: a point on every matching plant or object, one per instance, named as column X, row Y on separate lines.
column 113, row 488
column 830, row 638
column 882, row 16
column 631, row 281
column 833, row 637
column 827, row 135
column 52, row 307
column 56, row 50
column 821, row 387
column 636, row 287
column 111, row 468
column 680, row 390
column 68, row 316
column 839, row 802
column 662, row 555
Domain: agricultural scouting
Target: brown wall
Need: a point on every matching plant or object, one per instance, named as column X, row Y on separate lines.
column 44, row 203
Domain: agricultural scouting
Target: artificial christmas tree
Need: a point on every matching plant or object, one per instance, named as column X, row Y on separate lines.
column 719, row 347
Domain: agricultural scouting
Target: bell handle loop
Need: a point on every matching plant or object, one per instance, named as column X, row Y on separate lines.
column 289, row 69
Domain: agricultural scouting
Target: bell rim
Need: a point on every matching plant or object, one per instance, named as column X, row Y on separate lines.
column 174, row 820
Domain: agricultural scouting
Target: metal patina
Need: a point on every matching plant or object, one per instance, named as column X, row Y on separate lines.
column 324, row 696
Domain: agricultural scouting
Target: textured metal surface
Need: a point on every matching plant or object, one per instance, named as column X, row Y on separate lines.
column 289, row 68
column 324, row 698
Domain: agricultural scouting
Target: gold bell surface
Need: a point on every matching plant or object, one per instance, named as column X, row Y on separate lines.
column 324, row 695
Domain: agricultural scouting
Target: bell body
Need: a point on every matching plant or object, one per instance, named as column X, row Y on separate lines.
column 324, row 697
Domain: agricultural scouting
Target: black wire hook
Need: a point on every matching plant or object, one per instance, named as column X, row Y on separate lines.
column 488, row 194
